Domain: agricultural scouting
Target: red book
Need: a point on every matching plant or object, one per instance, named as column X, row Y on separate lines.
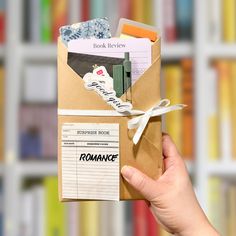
column 152, row 226
column 85, row 10
column 59, row 16
column 2, row 26
column 140, row 218
column 170, row 34
column 125, row 9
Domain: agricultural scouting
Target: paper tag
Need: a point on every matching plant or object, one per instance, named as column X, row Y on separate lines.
column 90, row 161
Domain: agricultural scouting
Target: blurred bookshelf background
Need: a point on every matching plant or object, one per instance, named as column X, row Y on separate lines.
column 198, row 69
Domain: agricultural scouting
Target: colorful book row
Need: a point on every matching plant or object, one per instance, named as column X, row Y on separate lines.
column 40, row 204
column 178, row 86
column 221, row 108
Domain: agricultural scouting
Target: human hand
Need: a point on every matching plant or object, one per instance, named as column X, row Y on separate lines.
column 171, row 197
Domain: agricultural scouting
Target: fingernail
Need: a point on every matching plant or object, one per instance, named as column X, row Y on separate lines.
column 127, row 171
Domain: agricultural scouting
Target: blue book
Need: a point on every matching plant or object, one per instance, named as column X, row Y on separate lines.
column 97, row 8
column 184, row 19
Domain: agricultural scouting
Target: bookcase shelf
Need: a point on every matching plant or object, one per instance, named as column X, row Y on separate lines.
column 39, row 51
column 178, row 50
column 222, row 169
column 221, row 51
column 37, row 169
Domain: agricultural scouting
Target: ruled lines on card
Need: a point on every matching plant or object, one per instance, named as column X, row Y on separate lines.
column 90, row 161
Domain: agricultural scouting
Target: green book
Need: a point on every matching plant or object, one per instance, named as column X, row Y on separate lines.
column 55, row 210
column 46, row 21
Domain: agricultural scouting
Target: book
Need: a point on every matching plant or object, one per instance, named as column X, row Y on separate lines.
column 158, row 16
column 184, row 19
column 172, row 76
column 85, row 10
column 229, row 21
column 169, row 22
column 129, row 218
column 2, row 21
column 231, row 217
column 216, row 209
column 140, row 218
column 213, row 144
column 72, row 216
column 125, row 7
column 137, row 10
column 233, row 107
column 2, row 112
column 152, row 226
column 38, row 132
column 224, row 94
column 97, row 9
column 59, row 16
column 149, row 12
column 54, row 210
column 214, row 14
column 188, row 112
column 46, row 21
column 89, row 218
column 112, row 14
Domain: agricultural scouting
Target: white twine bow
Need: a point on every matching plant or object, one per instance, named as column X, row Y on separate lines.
column 140, row 122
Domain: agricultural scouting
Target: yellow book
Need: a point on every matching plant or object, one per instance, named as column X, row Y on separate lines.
column 172, row 75
column 149, row 12
column 229, row 21
column 231, row 210
column 89, row 218
column 216, row 209
column 233, row 107
column 212, row 115
column 137, row 10
column 55, row 210
column 1, row 113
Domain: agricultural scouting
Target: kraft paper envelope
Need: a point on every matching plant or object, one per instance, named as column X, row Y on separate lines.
column 147, row 154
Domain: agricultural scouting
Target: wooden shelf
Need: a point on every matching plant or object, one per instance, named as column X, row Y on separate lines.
column 222, row 169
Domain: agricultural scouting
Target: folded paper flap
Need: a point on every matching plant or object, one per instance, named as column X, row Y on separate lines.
column 73, row 94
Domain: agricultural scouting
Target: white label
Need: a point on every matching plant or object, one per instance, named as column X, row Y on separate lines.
column 90, row 161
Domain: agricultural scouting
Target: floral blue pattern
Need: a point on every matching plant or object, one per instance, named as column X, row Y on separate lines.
column 97, row 28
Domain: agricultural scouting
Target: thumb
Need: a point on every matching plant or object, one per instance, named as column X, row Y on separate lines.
column 142, row 183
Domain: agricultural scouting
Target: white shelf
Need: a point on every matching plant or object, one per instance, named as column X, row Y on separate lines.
column 222, row 169
column 37, row 169
column 221, row 50
column 190, row 166
column 173, row 51
column 39, row 52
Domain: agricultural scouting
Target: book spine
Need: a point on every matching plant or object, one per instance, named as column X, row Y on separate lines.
column 138, row 10
column 85, row 10
column 46, row 21
column 152, row 226
column 75, row 10
column 233, row 107
column 2, row 101
column 172, row 75
column 224, row 94
column 231, row 200
column 113, row 16
column 140, row 218
column 2, row 22
column 54, row 225
column 125, row 9
column 215, row 20
column 184, row 19
column 148, row 12
column 89, row 218
column 212, row 115
column 158, row 16
column 169, row 22
column 97, row 8
column 129, row 218
column 229, row 21
column 73, row 219
column 59, row 16
column 188, row 112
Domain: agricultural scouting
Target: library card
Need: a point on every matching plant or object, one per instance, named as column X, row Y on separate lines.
column 90, row 161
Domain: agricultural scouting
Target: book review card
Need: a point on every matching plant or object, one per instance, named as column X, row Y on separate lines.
column 90, row 161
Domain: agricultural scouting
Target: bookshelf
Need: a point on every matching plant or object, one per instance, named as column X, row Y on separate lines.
column 17, row 53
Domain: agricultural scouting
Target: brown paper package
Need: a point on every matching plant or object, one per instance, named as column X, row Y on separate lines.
column 147, row 154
